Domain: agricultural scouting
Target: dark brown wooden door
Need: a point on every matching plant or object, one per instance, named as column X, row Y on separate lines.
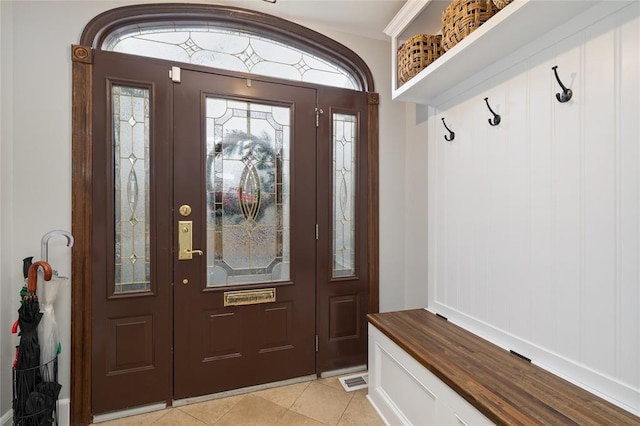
column 245, row 165
column 343, row 281
column 132, row 234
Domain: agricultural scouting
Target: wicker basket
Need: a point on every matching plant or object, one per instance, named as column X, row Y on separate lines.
column 501, row 3
column 416, row 53
column 462, row 17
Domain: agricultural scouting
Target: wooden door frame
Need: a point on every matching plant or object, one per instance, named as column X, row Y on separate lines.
column 82, row 151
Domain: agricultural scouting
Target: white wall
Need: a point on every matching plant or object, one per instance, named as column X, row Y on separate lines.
column 415, row 214
column 6, row 291
column 35, row 154
column 534, row 230
column 36, row 172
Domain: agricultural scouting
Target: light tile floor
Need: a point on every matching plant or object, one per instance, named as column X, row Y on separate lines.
column 322, row 402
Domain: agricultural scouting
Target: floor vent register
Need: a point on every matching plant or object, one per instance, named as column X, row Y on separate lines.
column 355, row 382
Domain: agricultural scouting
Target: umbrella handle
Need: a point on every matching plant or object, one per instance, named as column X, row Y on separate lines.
column 14, row 327
column 32, row 279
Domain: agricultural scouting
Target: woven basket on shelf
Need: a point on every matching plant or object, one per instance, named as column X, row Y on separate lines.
column 462, row 17
column 501, row 3
column 416, row 53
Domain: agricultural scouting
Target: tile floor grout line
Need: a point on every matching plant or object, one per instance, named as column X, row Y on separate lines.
column 193, row 417
column 347, row 407
column 168, row 409
column 298, row 397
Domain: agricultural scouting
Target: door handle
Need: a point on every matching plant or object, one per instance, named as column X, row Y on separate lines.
column 185, row 241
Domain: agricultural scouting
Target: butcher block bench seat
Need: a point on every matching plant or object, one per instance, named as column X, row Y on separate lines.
column 504, row 387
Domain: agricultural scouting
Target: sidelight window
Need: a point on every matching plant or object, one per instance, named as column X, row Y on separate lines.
column 344, row 190
column 130, row 106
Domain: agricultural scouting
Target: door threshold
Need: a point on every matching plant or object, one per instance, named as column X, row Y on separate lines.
column 233, row 392
column 99, row 418
column 332, row 373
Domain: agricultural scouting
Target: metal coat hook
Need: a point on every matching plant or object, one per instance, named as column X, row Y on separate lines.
column 496, row 118
column 566, row 94
column 451, row 134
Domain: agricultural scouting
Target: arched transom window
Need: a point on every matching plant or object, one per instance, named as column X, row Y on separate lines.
column 232, row 50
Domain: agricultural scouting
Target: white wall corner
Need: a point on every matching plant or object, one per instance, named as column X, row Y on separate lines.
column 7, row 281
column 415, row 211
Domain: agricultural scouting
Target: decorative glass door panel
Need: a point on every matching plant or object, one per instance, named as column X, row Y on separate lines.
column 247, row 172
column 131, row 188
column 232, row 50
column 344, row 190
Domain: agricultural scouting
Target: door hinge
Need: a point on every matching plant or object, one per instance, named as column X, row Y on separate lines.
column 317, row 343
column 317, row 232
column 174, row 74
column 319, row 112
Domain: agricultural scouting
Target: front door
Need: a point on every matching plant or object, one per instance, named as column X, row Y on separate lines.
column 217, row 215
column 244, row 217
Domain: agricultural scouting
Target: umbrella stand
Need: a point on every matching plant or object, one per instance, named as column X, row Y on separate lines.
column 35, row 390
column 41, row 383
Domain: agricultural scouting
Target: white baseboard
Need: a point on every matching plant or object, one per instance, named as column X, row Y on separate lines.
column 64, row 408
column 7, row 418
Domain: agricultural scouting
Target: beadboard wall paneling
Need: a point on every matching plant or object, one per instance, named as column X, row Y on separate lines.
column 534, row 224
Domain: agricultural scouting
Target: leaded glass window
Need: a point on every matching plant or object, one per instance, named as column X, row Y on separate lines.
column 248, row 199
column 130, row 107
column 344, row 190
column 230, row 50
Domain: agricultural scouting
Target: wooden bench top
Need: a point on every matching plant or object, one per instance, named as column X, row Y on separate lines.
column 504, row 387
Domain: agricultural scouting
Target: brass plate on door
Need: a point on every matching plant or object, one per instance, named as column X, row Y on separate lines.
column 185, row 241
column 249, row 297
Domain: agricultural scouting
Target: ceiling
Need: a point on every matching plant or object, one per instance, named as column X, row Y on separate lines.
column 364, row 17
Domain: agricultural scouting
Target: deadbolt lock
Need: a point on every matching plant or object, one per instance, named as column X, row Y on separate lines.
column 185, row 210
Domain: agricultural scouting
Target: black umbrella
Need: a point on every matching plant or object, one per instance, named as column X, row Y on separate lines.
column 27, row 376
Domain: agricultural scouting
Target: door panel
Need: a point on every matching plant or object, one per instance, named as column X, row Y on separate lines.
column 235, row 187
column 342, row 289
column 131, row 327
